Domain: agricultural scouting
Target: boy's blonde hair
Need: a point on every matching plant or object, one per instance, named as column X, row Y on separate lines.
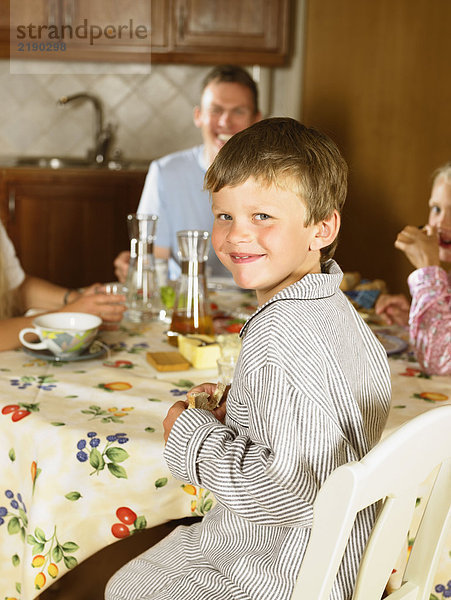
column 284, row 153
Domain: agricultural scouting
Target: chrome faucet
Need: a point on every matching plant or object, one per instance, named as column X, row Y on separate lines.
column 103, row 135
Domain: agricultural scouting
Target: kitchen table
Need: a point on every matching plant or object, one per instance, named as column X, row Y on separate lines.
column 81, row 455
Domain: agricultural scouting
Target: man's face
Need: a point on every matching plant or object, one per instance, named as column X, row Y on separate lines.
column 226, row 108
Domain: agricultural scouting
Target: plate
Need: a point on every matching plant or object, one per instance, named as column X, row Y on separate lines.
column 391, row 343
column 86, row 355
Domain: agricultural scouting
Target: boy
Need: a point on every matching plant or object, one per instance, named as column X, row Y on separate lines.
column 310, row 392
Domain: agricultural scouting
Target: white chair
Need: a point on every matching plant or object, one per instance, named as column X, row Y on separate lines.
column 392, row 471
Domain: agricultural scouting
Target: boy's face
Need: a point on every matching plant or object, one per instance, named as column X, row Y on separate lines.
column 259, row 235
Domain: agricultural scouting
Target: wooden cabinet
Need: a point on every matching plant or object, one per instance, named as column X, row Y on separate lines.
column 67, row 226
column 228, row 31
column 160, row 31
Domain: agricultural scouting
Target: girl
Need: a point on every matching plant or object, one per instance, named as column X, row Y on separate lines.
column 429, row 251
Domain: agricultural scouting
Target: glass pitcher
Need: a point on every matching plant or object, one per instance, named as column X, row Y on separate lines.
column 191, row 313
column 143, row 293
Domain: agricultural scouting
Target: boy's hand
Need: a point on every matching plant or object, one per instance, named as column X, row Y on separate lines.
column 173, row 413
column 209, row 388
column 421, row 246
column 393, row 309
column 176, row 409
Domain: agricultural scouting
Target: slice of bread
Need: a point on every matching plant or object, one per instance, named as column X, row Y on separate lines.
column 204, row 400
column 219, row 392
column 201, row 400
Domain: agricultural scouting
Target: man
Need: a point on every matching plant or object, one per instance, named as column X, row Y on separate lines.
column 174, row 185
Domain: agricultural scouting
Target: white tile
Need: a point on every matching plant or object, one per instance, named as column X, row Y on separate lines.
column 111, row 89
column 133, row 114
column 153, row 112
column 156, row 90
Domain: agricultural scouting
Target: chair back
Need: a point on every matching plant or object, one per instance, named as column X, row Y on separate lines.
column 391, row 472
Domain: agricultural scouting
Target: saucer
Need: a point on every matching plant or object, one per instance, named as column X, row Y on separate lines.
column 86, row 355
column 391, row 343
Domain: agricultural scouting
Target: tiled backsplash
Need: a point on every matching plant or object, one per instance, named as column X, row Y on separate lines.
column 152, row 112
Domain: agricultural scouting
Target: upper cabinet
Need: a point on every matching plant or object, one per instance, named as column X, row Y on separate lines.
column 160, row 31
column 231, row 31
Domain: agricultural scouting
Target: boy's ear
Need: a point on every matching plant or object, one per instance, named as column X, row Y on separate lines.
column 325, row 232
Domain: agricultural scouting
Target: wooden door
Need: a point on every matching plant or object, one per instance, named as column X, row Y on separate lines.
column 376, row 80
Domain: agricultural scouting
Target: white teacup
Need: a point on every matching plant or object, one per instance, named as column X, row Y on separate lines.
column 65, row 334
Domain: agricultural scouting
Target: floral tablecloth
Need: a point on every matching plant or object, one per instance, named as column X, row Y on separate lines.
column 81, row 454
column 81, row 457
column 413, row 393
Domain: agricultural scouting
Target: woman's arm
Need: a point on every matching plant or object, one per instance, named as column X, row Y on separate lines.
column 48, row 297
column 9, row 331
column 32, row 293
column 41, row 294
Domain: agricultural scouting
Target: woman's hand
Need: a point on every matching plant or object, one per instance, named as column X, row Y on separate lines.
column 421, row 246
column 393, row 309
column 109, row 307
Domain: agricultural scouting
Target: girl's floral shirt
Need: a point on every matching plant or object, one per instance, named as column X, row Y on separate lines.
column 430, row 319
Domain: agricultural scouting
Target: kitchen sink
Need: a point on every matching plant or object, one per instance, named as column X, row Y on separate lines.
column 53, row 162
column 68, row 162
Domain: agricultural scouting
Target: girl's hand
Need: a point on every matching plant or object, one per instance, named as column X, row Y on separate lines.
column 393, row 309
column 421, row 246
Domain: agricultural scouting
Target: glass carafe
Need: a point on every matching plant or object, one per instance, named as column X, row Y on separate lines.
column 143, row 293
column 191, row 313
